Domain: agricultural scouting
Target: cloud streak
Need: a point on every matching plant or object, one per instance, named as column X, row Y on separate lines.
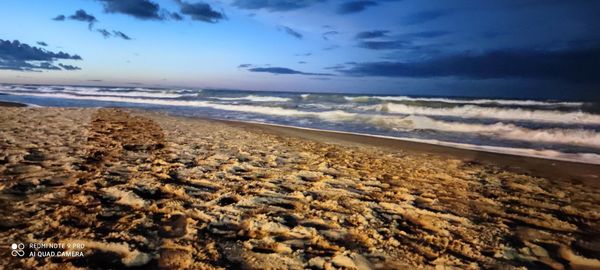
column 291, row 32
column 372, row 34
column 275, row 5
column 285, row 71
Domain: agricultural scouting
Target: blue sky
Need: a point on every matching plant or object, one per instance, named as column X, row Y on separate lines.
column 465, row 47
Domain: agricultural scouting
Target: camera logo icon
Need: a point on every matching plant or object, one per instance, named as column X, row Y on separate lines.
column 17, row 250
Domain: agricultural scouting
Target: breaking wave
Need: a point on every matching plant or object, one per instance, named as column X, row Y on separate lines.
column 507, row 102
column 472, row 111
column 256, row 98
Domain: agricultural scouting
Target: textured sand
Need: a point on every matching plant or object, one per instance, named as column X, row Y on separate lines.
column 152, row 191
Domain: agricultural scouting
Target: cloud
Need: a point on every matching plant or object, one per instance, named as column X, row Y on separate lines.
column 301, row 62
column 571, row 65
column 176, row 16
column 140, row 9
column 427, row 34
column 424, row 16
column 105, row 33
column 372, row 34
column 201, row 12
column 41, row 43
column 121, row 35
column 244, row 65
column 283, row 70
column 291, row 32
column 303, row 54
column 275, row 5
column 355, row 6
column 329, row 33
column 384, row 45
column 81, row 15
column 20, row 56
column 332, row 47
column 69, row 67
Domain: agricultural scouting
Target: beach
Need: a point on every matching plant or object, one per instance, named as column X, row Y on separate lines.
column 148, row 190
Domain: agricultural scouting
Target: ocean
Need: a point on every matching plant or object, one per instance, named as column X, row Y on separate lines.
column 553, row 129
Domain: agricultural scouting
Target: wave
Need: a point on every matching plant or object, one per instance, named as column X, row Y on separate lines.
column 472, row 111
column 508, row 102
column 580, row 137
column 95, row 91
column 256, row 98
column 132, row 94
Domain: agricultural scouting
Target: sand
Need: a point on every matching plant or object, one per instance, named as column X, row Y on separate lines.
column 146, row 190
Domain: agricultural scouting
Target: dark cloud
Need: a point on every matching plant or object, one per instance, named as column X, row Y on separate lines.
column 69, row 67
column 329, row 33
column 301, row 62
column 424, row 16
column 282, row 70
column 244, row 65
column 372, row 34
column 355, row 6
column 291, row 32
column 82, row 16
column 41, row 43
column 141, row 9
column 121, row 35
column 105, row 33
column 201, row 12
column 59, row 18
column 275, row 5
column 19, row 56
column 571, row 65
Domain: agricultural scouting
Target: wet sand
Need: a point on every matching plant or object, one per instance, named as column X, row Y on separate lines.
column 150, row 191
column 11, row 104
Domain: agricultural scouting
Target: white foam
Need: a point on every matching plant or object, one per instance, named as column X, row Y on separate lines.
column 95, row 91
column 472, row 111
column 256, row 98
column 470, row 101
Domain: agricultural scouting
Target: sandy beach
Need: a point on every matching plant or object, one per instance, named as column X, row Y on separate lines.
column 150, row 191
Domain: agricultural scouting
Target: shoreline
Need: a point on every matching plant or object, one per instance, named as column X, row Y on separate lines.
column 533, row 165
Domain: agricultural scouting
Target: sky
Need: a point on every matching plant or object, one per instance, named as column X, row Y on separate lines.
column 509, row 48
